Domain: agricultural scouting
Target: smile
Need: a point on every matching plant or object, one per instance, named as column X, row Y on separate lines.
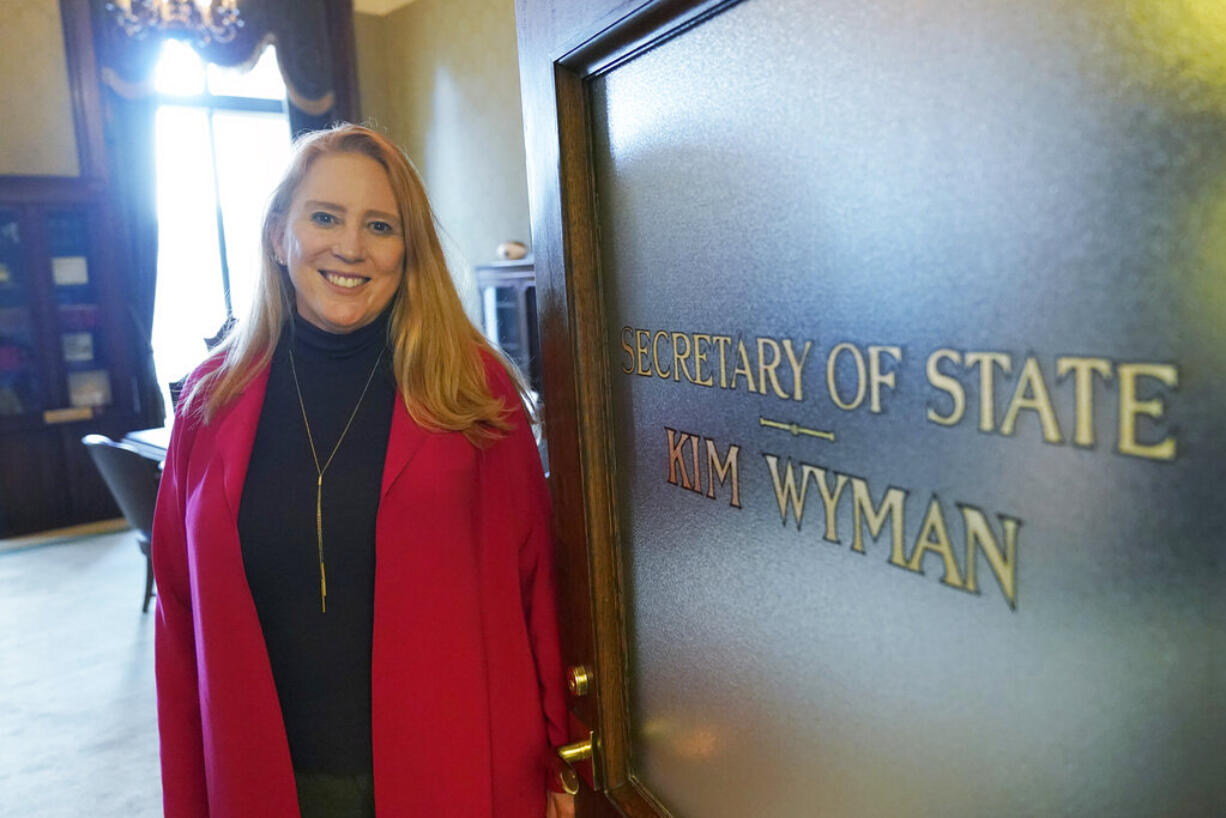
column 344, row 280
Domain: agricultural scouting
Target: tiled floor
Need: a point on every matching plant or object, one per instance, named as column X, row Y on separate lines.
column 78, row 734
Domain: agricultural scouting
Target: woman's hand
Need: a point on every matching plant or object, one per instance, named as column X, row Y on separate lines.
column 560, row 805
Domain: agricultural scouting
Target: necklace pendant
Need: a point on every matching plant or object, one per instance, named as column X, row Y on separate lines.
column 320, row 469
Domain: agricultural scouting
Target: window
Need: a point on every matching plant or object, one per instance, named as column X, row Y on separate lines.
column 222, row 140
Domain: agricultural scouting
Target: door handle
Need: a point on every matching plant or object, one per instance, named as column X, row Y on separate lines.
column 578, row 751
column 570, row 753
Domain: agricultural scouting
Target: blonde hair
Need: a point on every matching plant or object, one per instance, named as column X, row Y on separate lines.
column 439, row 357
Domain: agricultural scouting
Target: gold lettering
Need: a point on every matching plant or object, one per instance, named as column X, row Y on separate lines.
column 863, row 511
column 1004, row 566
column 798, row 389
column 680, row 358
column 951, row 385
column 987, row 393
column 640, row 342
column 655, row 352
column 830, row 500
column 724, row 471
column 1031, row 393
column 743, row 368
column 831, row 362
column 766, row 369
column 628, row 368
column 933, row 536
column 786, row 493
column 875, row 378
column 1083, row 370
column 675, row 463
column 700, row 357
column 722, row 341
column 694, row 458
column 1130, row 407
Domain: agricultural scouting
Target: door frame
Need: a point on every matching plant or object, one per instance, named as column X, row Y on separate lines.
column 561, row 51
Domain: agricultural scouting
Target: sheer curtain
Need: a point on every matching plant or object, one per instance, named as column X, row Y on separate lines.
column 216, row 167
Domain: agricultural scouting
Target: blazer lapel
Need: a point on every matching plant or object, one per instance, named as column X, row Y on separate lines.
column 403, row 443
column 236, row 436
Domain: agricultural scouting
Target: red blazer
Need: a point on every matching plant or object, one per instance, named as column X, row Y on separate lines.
column 466, row 676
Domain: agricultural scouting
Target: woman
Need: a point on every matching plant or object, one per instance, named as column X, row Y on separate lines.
column 352, row 542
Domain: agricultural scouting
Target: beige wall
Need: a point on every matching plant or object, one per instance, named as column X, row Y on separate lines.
column 37, row 135
column 372, row 67
column 441, row 77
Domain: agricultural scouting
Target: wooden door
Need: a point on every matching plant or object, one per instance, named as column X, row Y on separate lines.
column 882, row 356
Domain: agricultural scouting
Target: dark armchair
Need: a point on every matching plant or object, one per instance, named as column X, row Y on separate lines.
column 133, row 481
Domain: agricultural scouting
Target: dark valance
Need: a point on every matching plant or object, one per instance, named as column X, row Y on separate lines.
column 302, row 31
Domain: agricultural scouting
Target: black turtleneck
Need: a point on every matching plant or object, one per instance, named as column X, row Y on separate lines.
column 320, row 661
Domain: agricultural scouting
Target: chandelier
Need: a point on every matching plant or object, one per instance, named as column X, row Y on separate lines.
column 207, row 20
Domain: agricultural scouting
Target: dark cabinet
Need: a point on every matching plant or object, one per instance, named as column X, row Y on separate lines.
column 69, row 341
column 54, row 356
column 20, row 389
column 65, row 355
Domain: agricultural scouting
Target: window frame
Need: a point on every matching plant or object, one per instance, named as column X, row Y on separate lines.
column 211, row 103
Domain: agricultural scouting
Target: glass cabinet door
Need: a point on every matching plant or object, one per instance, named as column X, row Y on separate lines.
column 20, row 389
column 56, row 355
column 77, row 310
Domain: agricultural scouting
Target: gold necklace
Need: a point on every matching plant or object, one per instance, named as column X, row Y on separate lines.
column 319, row 470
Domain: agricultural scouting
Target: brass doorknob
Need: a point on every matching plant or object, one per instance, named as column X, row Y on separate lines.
column 570, row 780
column 578, row 751
column 570, row 753
column 577, row 680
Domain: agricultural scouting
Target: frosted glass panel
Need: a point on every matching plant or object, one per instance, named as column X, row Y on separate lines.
column 916, row 339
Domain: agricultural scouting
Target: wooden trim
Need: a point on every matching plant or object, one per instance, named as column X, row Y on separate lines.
column 558, row 374
column 86, row 91
column 614, row 45
column 641, row 30
column 64, row 536
column 581, row 249
column 563, row 46
column 636, row 800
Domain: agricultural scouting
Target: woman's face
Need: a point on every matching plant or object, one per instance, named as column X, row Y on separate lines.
column 343, row 242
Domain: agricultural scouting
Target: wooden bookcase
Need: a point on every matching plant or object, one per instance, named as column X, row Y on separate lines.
column 65, row 354
column 67, row 339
